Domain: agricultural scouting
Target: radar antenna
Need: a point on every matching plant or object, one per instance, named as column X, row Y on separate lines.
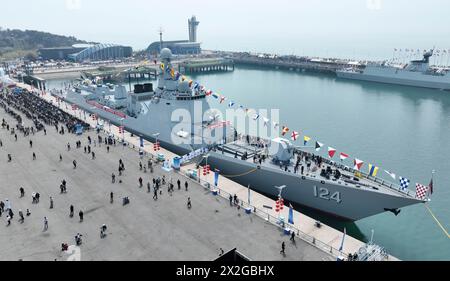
column 161, row 30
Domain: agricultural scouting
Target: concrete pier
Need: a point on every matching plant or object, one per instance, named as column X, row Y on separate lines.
column 206, row 65
column 143, row 230
column 325, row 238
column 293, row 63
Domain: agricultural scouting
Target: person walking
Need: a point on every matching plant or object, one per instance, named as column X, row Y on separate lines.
column 179, row 184
column 74, row 164
column 111, row 197
column 103, row 231
column 34, row 156
column 283, row 248
column 21, row 219
column 51, row 202
column 150, row 166
column 22, row 192
column 71, row 209
column 8, row 219
column 189, row 203
column 60, row 158
column 81, row 214
column 113, row 178
column 140, row 182
column 45, row 224
column 31, row 144
column 155, row 194
column 149, row 187
column 186, row 185
column 293, row 237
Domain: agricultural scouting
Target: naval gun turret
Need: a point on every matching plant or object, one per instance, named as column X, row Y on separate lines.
column 281, row 151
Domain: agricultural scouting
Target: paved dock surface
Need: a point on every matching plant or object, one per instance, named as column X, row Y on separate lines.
column 143, row 230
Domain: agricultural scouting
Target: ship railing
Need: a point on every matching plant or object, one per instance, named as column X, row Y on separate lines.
column 380, row 181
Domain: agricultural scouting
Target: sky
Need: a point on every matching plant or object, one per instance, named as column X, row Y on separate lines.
column 312, row 27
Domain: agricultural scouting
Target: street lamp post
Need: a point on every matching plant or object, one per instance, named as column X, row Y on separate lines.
column 93, row 108
column 280, row 188
column 156, row 135
column 206, row 164
column 123, row 129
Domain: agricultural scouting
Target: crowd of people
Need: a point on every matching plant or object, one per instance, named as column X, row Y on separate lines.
column 40, row 112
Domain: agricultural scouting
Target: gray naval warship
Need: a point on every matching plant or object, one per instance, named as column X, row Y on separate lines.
column 261, row 164
column 417, row 73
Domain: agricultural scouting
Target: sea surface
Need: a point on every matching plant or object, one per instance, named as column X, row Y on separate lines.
column 402, row 129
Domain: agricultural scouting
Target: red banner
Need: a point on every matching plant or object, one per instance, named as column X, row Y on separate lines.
column 107, row 109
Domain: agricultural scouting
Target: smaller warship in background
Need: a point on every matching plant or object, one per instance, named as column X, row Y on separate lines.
column 310, row 180
column 417, row 73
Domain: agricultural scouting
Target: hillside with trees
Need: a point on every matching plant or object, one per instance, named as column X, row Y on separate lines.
column 16, row 43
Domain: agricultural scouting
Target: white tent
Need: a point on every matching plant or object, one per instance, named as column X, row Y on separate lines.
column 354, row 63
column 5, row 81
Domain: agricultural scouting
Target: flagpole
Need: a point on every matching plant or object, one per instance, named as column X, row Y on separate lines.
column 432, row 182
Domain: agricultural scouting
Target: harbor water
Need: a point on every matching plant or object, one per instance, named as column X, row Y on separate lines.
column 402, row 129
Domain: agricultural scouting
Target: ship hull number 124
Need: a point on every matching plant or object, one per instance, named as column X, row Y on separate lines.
column 325, row 194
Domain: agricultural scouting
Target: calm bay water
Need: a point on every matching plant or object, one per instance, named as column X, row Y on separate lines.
column 402, row 129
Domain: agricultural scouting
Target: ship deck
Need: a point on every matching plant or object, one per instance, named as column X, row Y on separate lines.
column 347, row 179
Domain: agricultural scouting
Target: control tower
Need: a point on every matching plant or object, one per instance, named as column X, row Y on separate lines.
column 193, row 24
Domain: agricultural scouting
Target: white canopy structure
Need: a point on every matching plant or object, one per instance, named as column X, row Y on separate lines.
column 5, row 81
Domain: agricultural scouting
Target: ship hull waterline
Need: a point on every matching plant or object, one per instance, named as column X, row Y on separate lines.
column 395, row 81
